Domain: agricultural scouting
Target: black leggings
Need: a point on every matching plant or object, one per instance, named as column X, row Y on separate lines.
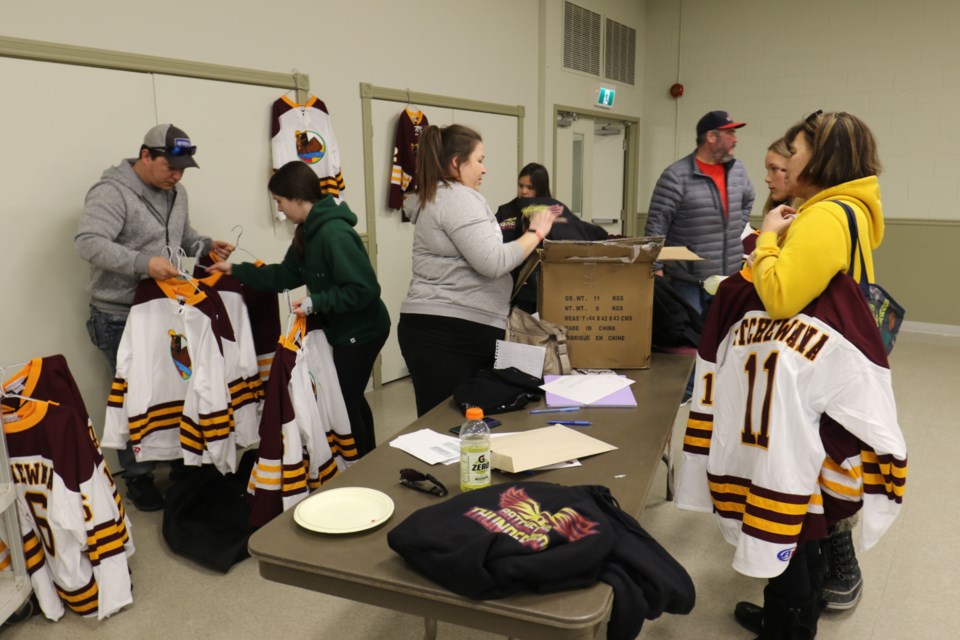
column 442, row 352
column 803, row 574
column 354, row 363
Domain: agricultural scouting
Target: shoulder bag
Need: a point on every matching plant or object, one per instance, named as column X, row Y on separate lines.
column 887, row 313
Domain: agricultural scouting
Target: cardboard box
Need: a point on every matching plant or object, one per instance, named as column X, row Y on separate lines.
column 539, row 447
column 602, row 292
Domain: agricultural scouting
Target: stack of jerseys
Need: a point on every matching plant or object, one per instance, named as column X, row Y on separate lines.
column 541, row 537
column 775, row 407
column 187, row 383
column 305, row 436
column 262, row 310
column 304, row 132
column 76, row 536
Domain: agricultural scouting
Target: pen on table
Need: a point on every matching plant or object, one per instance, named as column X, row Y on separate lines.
column 559, row 410
column 571, row 423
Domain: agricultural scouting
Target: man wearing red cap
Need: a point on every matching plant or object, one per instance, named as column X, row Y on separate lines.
column 702, row 202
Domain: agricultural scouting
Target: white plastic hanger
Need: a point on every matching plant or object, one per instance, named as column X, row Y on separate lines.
column 5, row 394
column 236, row 243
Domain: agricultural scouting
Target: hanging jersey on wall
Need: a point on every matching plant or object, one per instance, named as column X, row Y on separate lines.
column 754, row 452
column 304, row 132
column 409, row 126
column 76, row 536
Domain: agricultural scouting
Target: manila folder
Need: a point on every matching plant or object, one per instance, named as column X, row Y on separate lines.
column 540, row 447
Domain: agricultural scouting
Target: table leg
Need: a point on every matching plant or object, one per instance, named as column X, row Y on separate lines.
column 667, row 459
column 429, row 629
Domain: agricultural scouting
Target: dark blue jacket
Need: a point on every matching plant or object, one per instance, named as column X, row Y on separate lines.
column 686, row 208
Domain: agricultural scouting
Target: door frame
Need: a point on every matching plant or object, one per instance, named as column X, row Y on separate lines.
column 631, row 157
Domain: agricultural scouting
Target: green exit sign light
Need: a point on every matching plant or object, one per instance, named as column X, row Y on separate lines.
column 605, row 97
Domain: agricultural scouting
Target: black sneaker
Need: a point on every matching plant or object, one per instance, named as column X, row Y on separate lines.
column 749, row 616
column 842, row 580
column 143, row 493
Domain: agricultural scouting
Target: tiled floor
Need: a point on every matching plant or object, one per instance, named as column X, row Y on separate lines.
column 911, row 579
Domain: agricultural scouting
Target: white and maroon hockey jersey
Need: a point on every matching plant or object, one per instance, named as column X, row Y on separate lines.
column 297, row 454
column 240, row 362
column 76, row 536
column 754, row 451
column 409, row 126
column 304, row 132
column 325, row 387
column 263, row 311
column 170, row 396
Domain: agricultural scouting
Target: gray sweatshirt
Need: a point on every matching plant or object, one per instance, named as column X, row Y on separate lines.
column 461, row 266
column 125, row 223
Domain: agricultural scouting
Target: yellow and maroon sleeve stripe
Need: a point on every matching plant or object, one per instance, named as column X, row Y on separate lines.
column 699, row 431
column 118, row 393
column 83, row 600
column 884, row 475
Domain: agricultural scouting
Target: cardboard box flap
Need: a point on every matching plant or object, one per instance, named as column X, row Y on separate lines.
column 677, row 253
column 526, row 270
column 540, row 447
column 624, row 250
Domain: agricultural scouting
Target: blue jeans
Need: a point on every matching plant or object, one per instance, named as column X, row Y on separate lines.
column 105, row 331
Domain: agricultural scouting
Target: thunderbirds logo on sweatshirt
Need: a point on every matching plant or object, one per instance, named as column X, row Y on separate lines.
column 520, row 518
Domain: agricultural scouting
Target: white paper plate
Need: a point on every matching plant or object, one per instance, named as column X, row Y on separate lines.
column 344, row 510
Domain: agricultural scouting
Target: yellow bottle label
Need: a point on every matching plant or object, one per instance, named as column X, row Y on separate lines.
column 474, row 466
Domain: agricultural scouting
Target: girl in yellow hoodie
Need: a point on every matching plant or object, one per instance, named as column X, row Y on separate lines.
column 834, row 158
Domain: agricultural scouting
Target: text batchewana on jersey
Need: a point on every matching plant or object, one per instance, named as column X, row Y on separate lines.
column 753, row 451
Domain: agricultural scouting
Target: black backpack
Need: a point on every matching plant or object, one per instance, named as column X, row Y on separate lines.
column 675, row 322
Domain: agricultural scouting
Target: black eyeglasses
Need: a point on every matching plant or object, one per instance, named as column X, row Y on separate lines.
column 412, row 478
column 810, row 119
column 177, row 150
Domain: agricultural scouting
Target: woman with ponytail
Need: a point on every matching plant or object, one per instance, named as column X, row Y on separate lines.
column 459, row 297
column 328, row 256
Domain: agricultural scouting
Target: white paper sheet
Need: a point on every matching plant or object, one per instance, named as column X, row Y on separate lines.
column 429, row 446
column 586, row 389
column 526, row 357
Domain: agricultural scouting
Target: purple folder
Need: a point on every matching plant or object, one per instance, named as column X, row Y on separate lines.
column 621, row 398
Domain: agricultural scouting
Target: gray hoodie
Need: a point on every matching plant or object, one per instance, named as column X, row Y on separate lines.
column 461, row 266
column 125, row 223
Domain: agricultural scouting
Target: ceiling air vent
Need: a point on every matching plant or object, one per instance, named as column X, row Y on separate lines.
column 581, row 39
column 620, row 52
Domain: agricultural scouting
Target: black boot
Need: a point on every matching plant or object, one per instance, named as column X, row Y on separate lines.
column 749, row 616
column 785, row 619
column 843, row 581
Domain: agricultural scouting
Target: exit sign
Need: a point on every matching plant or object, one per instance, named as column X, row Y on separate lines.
column 605, row 97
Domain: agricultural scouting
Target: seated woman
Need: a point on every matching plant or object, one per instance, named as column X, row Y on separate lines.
column 533, row 194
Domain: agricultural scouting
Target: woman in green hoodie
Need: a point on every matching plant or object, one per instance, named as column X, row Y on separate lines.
column 328, row 256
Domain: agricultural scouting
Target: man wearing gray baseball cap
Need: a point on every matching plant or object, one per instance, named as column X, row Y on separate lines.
column 135, row 210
